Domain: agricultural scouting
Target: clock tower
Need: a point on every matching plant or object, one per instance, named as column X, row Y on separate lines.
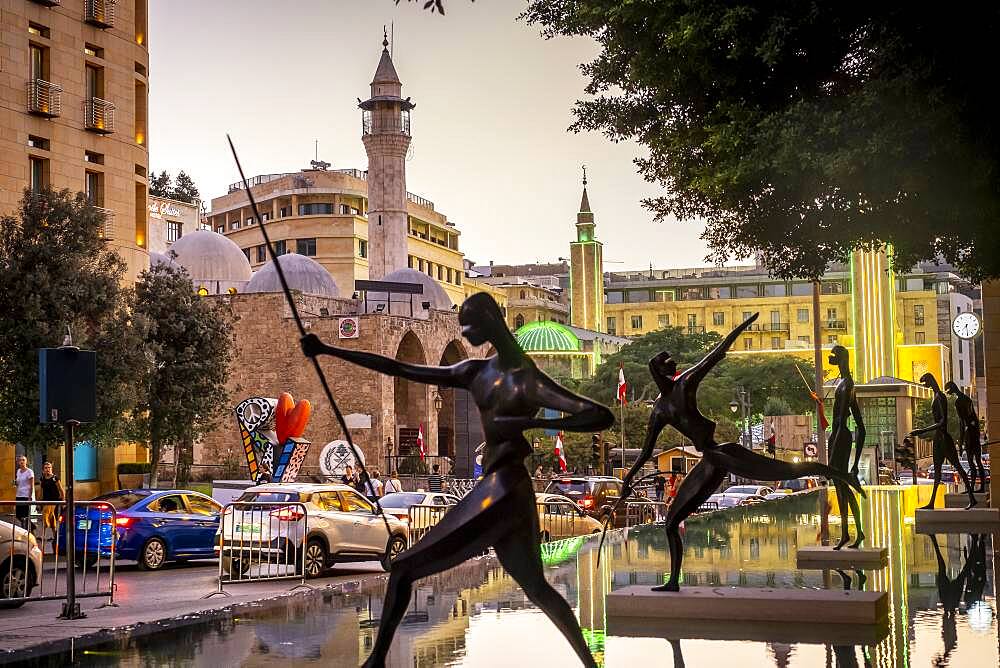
column 586, row 270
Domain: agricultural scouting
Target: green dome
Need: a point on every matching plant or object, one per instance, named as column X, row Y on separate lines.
column 547, row 336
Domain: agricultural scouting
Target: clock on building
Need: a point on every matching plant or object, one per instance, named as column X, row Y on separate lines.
column 966, row 325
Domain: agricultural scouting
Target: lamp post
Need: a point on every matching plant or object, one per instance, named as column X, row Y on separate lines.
column 741, row 404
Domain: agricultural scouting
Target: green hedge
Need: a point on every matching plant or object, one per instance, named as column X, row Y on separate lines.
column 133, row 467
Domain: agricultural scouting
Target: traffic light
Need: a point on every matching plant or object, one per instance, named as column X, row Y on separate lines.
column 595, row 449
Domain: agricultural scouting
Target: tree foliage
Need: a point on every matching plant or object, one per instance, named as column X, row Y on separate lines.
column 182, row 190
column 802, row 131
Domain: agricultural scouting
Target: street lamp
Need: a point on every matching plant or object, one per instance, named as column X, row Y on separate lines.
column 733, row 406
column 438, row 401
column 741, row 402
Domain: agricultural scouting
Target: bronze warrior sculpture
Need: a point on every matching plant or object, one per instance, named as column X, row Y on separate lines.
column 500, row 510
column 968, row 434
column 677, row 406
column 944, row 444
column 845, row 404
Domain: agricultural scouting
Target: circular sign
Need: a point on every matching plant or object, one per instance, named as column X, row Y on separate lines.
column 810, row 450
column 336, row 457
column 966, row 325
column 348, row 328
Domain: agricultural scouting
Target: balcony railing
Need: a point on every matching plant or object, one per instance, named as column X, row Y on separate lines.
column 100, row 13
column 836, row 324
column 99, row 115
column 107, row 229
column 420, row 201
column 775, row 327
column 44, row 98
column 400, row 125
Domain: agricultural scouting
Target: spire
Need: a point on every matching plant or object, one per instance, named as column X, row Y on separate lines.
column 385, row 73
column 584, row 202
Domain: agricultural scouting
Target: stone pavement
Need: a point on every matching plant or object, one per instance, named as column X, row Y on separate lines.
column 148, row 602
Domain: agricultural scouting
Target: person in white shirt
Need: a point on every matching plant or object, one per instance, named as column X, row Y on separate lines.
column 374, row 488
column 24, row 481
column 393, row 484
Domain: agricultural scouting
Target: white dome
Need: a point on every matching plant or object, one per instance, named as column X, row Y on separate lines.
column 433, row 292
column 302, row 273
column 212, row 260
column 161, row 258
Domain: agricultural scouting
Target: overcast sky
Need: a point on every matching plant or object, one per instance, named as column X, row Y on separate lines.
column 490, row 141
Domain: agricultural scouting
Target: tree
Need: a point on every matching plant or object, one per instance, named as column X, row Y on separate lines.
column 162, row 185
column 188, row 344
column 184, row 189
column 803, row 131
column 776, row 406
column 57, row 275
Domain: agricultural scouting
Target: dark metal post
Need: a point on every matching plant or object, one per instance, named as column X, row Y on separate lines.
column 818, row 362
column 71, row 609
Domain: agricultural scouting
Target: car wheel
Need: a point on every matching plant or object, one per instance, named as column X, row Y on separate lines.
column 234, row 566
column 15, row 582
column 154, row 555
column 396, row 546
column 314, row 561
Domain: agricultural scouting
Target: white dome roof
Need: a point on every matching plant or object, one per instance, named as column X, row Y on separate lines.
column 433, row 292
column 161, row 258
column 302, row 273
column 211, row 257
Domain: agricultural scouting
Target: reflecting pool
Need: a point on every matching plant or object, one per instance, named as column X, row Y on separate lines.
column 941, row 591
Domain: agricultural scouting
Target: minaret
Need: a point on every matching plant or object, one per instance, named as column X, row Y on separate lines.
column 586, row 270
column 386, row 134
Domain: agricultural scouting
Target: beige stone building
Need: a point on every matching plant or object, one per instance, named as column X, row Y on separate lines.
column 169, row 220
column 74, row 85
column 533, row 303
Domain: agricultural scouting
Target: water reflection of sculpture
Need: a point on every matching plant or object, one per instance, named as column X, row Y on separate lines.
column 944, row 444
column 677, row 406
column 950, row 592
column 500, row 510
column 845, row 404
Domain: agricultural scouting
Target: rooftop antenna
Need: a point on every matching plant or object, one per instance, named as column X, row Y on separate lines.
column 392, row 38
column 584, row 175
column 316, row 142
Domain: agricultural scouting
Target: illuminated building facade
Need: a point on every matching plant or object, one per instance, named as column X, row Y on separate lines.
column 586, row 271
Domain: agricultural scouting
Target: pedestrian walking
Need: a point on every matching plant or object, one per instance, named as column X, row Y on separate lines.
column 374, row 486
column 435, row 483
column 393, row 484
column 52, row 490
column 24, row 483
column 659, row 484
column 672, row 487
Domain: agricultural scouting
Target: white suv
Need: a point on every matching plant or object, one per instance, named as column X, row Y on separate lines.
column 20, row 564
column 339, row 525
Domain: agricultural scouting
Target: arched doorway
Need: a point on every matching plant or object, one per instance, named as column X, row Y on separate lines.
column 409, row 398
column 453, row 354
column 460, row 428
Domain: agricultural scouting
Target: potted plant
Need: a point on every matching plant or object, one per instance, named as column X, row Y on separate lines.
column 132, row 475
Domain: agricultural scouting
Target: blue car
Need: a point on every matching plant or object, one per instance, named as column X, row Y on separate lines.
column 153, row 527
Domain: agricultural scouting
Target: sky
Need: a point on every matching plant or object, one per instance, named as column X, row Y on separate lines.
column 490, row 145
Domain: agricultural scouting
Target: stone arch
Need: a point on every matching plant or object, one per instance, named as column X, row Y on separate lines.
column 453, row 353
column 409, row 398
column 518, row 321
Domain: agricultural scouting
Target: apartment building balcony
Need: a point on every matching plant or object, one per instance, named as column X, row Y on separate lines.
column 44, row 98
column 107, row 229
column 99, row 116
column 775, row 327
column 99, row 13
column 836, row 324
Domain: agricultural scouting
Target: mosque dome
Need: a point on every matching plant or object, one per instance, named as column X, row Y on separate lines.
column 547, row 336
column 161, row 258
column 211, row 258
column 302, row 273
column 433, row 292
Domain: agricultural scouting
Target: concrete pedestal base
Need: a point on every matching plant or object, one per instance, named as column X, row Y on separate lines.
column 958, row 520
column 962, row 500
column 801, row 606
column 825, row 557
column 791, row 633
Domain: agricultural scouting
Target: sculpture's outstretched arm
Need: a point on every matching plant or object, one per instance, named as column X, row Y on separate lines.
column 859, row 424
column 582, row 414
column 457, row 375
column 699, row 370
column 940, row 424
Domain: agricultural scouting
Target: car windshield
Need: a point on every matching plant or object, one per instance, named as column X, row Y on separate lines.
column 121, row 501
column 794, row 484
column 269, row 497
column 401, row 500
column 568, row 487
column 742, row 490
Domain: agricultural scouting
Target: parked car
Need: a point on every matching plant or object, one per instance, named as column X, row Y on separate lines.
column 799, row 484
column 153, row 527
column 722, row 501
column 559, row 517
column 398, row 504
column 751, row 500
column 778, row 494
column 748, row 490
column 596, row 495
column 339, row 525
column 20, row 564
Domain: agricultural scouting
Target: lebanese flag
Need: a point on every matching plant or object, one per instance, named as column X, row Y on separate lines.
column 772, row 438
column 622, row 385
column 420, row 440
column 559, row 453
column 823, row 422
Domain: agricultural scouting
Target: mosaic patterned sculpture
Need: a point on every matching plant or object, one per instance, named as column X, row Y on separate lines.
column 968, row 434
column 677, row 407
column 845, row 405
column 944, row 444
column 290, row 419
column 500, row 510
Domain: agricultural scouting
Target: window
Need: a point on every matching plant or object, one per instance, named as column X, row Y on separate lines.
column 663, row 320
column 718, row 318
column 200, row 505
column 746, row 315
column 420, row 264
column 95, row 81
column 775, row 342
column 524, row 295
column 94, row 158
column 139, row 169
column 305, row 247
column 832, row 339
column 692, row 293
column 430, row 269
column 141, row 105
column 316, row 209
column 913, row 284
column 246, row 251
column 141, row 215
column 280, row 247
column 248, row 222
column 831, row 314
column 362, row 248
column 458, row 278
column 234, row 224
column 518, row 321
column 747, row 344
column 775, row 319
column 802, row 315
column 440, row 273
column 747, row 291
column 266, row 216
column 774, row 290
column 284, row 211
column 261, row 253
column 39, row 173
column 328, row 501
column 615, row 297
column 692, row 320
column 174, row 231
column 804, row 338
column 40, row 143
column 960, row 347
column 802, row 289
column 172, row 503
column 38, row 30
column 637, row 322
column 663, row 295
column 612, row 326
column 140, row 68
column 832, row 288
column 720, row 293
column 353, row 503
column 39, row 64
column 140, row 23
column 220, row 229
column 961, row 369
column 451, row 274
column 637, row 296
column 94, row 187
column 918, row 337
column 918, row 314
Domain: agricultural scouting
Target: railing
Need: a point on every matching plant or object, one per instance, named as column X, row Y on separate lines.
column 836, row 324
column 266, row 541
column 400, row 125
column 257, row 180
column 775, row 327
column 99, row 115
column 100, row 13
column 561, row 519
column 356, row 173
column 108, row 226
column 644, row 512
column 415, row 465
column 32, row 567
column 420, row 201
column 44, row 98
column 421, row 519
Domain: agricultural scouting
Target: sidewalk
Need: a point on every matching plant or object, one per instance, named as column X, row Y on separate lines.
column 149, row 602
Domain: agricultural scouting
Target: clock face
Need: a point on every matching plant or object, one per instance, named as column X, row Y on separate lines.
column 966, row 325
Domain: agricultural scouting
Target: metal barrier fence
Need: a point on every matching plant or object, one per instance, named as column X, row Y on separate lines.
column 264, row 541
column 33, row 565
column 421, row 519
column 644, row 512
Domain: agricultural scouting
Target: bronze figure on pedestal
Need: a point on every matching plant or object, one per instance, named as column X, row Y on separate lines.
column 845, row 405
column 969, row 436
column 944, row 444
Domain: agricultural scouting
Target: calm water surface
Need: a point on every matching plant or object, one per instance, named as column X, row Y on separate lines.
column 943, row 610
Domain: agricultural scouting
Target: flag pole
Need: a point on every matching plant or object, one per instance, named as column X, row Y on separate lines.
column 623, row 431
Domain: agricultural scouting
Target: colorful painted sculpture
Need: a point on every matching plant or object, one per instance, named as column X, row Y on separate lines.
column 253, row 415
